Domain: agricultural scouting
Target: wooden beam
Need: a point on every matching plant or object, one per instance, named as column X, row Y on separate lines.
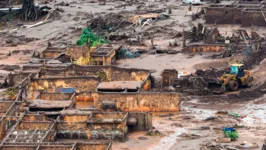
column 263, row 16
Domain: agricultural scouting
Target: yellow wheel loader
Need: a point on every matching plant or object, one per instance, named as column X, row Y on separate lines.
column 238, row 77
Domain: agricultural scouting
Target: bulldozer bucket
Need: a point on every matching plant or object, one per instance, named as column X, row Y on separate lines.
column 221, row 91
column 216, row 88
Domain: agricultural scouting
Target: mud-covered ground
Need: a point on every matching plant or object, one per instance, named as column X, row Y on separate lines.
column 197, row 125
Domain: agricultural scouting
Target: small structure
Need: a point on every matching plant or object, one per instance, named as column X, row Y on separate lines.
column 169, row 76
column 103, row 55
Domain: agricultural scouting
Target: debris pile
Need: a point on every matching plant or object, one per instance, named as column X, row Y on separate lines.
column 254, row 58
column 212, row 146
column 198, row 14
column 14, row 40
column 202, row 33
column 124, row 53
column 147, row 19
column 161, row 30
column 109, row 23
column 32, row 12
column 198, row 83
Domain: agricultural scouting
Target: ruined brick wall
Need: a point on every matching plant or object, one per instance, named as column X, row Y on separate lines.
column 99, row 126
column 71, row 71
column 244, row 14
column 29, row 125
column 12, row 147
column 61, row 146
column 143, row 102
column 53, row 84
column 113, row 73
column 108, row 126
column 122, row 74
column 55, row 96
column 32, row 68
column 75, row 118
column 4, row 106
column 102, row 146
column 110, row 59
column 169, row 76
column 50, row 54
column 237, row 16
column 204, row 48
column 68, row 126
column 34, row 118
column 223, row 15
column 105, row 60
column 56, row 148
column 103, row 116
column 118, row 129
column 2, row 129
column 255, row 18
column 98, row 60
column 144, row 121
column 76, row 52
column 15, row 79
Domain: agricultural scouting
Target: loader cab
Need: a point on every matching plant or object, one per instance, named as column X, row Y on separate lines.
column 193, row 2
column 238, row 70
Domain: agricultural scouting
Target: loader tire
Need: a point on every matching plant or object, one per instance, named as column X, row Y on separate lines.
column 233, row 85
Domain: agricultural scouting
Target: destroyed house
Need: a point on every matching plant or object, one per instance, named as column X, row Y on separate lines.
column 75, row 52
column 103, row 55
column 56, row 105
column 243, row 14
column 105, row 86
column 51, row 101
column 30, row 128
column 95, row 125
column 52, row 52
column 99, row 87
column 169, row 76
column 111, row 78
column 59, row 146
column 38, row 131
column 35, row 130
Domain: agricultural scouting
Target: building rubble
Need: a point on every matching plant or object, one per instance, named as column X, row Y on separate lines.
column 132, row 75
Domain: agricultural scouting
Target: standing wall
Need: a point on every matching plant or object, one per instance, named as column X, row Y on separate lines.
column 141, row 102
